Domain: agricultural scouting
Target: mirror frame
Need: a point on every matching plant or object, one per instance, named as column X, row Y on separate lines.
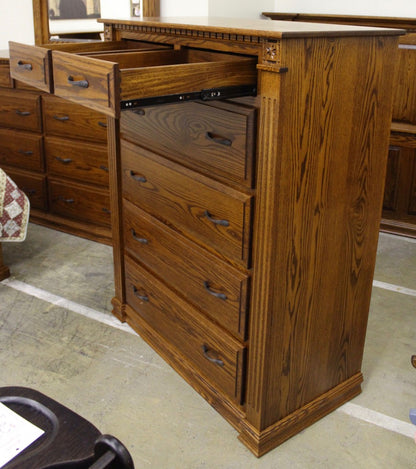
column 41, row 17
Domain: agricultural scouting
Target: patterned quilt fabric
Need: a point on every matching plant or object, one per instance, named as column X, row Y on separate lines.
column 14, row 210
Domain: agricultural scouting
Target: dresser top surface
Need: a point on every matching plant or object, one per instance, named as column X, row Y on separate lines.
column 251, row 27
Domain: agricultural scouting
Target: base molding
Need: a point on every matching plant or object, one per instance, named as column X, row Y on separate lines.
column 99, row 234
column 260, row 442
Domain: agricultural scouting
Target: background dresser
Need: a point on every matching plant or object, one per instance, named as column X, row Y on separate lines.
column 245, row 229
column 399, row 205
column 56, row 151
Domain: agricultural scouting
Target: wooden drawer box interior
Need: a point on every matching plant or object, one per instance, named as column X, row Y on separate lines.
column 102, row 81
column 218, row 356
column 209, row 283
column 200, row 207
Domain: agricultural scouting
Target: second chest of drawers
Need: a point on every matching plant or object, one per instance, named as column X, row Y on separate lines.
column 77, row 162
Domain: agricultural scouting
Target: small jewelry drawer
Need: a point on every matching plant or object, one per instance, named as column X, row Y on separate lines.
column 79, row 202
column 20, row 110
column 66, row 119
column 216, row 138
column 77, row 160
column 208, row 282
column 215, row 354
column 21, row 149
column 205, row 210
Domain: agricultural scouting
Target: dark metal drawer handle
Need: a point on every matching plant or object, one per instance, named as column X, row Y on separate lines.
column 80, row 83
column 215, row 221
column 30, row 191
column 221, row 296
column 205, row 350
column 106, row 210
column 140, row 240
column 139, row 112
column 136, row 177
column 219, row 139
column 104, row 168
column 22, row 113
column 24, row 66
column 102, row 124
column 63, row 160
column 26, row 152
column 140, row 297
column 61, row 118
column 67, row 201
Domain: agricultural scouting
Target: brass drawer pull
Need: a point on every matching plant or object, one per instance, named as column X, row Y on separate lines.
column 216, row 221
column 140, row 297
column 136, row 177
column 102, row 124
column 24, row 66
column 221, row 296
column 26, row 152
column 140, row 240
column 67, row 201
column 219, row 139
column 217, row 361
column 22, row 113
column 63, row 160
column 80, row 83
column 61, row 118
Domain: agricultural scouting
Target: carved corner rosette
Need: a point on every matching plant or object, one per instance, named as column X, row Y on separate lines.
column 271, row 56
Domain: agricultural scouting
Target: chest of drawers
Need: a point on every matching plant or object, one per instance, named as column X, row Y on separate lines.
column 245, row 230
column 56, row 152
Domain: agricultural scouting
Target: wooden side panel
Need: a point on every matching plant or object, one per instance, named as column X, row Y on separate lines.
column 400, row 196
column 404, row 102
column 321, row 168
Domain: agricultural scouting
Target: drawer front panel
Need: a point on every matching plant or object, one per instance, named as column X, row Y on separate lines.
column 33, row 185
column 21, row 149
column 217, row 138
column 87, row 81
column 203, row 209
column 68, row 120
column 79, row 202
column 77, row 160
column 203, row 279
column 216, row 355
column 31, row 65
column 20, row 110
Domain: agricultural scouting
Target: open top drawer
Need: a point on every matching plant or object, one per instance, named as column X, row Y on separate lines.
column 116, row 79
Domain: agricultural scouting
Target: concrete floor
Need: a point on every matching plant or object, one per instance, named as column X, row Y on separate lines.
column 57, row 335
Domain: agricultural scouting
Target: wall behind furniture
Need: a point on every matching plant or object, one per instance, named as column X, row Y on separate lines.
column 16, row 22
column 406, row 8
